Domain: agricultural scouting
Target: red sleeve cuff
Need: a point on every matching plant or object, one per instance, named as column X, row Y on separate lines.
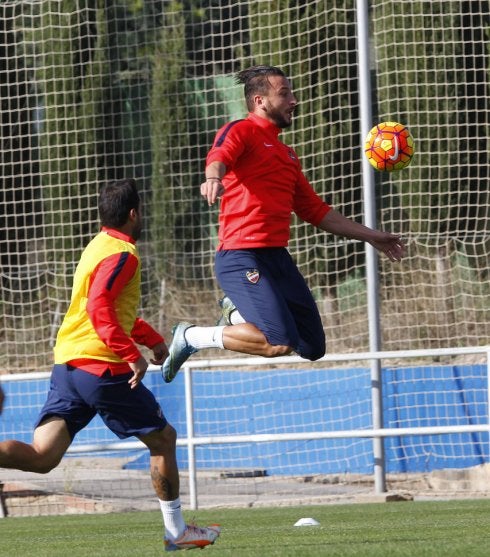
column 145, row 334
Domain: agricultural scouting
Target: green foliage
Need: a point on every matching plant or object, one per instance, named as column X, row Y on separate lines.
column 67, row 145
column 185, row 113
column 325, row 130
column 100, row 90
column 18, row 143
column 171, row 199
column 351, row 292
column 437, row 89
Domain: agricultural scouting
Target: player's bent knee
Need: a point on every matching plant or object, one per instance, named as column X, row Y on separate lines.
column 44, row 466
column 42, row 469
column 161, row 441
column 170, row 434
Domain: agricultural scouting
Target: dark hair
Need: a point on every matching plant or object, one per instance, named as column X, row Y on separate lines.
column 116, row 199
column 256, row 80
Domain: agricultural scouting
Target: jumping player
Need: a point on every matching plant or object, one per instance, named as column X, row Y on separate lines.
column 260, row 182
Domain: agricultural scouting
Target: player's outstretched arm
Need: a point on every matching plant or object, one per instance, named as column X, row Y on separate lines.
column 392, row 245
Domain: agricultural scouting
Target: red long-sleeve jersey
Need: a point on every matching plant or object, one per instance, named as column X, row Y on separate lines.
column 264, row 184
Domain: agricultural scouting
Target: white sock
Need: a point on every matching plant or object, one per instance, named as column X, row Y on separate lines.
column 173, row 519
column 236, row 318
column 205, row 337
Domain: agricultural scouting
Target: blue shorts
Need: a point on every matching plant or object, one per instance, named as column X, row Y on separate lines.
column 77, row 396
column 269, row 291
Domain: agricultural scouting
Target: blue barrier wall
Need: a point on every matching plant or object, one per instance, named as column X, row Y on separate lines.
column 282, row 401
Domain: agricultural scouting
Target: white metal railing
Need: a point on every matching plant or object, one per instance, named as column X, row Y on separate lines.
column 375, row 433
column 191, row 441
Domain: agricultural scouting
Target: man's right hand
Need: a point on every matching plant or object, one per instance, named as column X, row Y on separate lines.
column 139, row 369
column 211, row 189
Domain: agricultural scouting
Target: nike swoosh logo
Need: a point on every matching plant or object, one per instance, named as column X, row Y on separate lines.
column 268, row 144
column 397, row 148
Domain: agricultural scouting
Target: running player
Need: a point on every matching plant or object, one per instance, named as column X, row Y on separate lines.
column 98, row 367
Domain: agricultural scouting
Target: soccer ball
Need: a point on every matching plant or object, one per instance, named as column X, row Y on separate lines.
column 389, row 146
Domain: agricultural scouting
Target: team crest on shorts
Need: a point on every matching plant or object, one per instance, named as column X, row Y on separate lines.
column 253, row 276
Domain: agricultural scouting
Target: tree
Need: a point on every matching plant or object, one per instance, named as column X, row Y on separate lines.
column 441, row 87
column 171, row 197
column 18, row 139
column 68, row 152
column 320, row 54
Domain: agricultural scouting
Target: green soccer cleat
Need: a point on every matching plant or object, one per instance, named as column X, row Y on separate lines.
column 178, row 352
column 227, row 307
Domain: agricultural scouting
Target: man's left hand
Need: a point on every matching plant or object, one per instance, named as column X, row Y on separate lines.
column 160, row 353
column 391, row 245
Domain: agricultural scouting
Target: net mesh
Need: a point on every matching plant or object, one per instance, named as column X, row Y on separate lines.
column 93, row 91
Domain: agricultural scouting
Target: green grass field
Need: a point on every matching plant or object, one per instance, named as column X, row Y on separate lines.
column 415, row 529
